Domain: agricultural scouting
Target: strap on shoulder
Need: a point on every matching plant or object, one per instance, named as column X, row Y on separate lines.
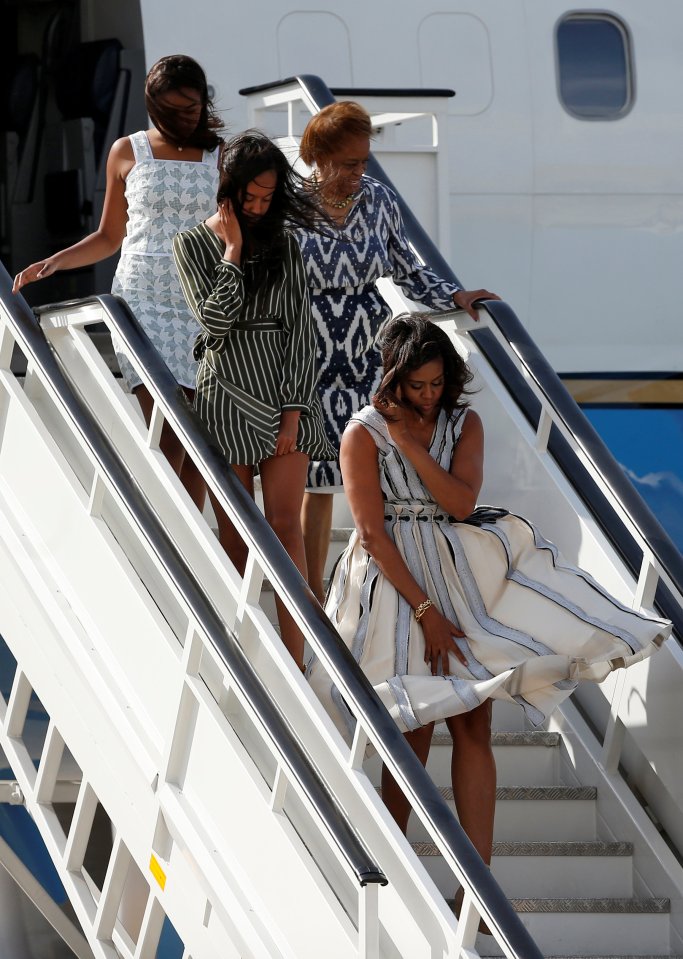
column 213, row 157
column 141, row 148
column 375, row 424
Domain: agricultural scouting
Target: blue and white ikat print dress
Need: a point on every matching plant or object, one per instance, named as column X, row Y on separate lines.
column 164, row 197
column 534, row 625
column 342, row 267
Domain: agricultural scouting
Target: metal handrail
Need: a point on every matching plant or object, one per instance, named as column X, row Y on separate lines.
column 627, row 498
column 32, row 341
column 546, row 380
column 321, row 635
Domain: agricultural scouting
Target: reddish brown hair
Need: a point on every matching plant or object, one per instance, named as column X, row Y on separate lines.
column 327, row 130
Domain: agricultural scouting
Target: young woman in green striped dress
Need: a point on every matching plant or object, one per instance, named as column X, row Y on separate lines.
column 242, row 275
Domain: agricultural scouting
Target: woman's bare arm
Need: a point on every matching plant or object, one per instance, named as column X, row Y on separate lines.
column 107, row 238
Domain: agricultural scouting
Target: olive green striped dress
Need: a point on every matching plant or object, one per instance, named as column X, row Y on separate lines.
column 257, row 353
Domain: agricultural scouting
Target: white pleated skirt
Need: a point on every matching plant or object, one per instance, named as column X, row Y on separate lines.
column 535, row 626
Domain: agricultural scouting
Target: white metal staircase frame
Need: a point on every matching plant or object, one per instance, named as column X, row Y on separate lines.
column 161, row 830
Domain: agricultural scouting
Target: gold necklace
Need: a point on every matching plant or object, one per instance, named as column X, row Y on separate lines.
column 335, row 204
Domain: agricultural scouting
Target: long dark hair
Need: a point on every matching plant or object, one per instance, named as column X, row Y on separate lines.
column 245, row 157
column 176, row 73
column 407, row 342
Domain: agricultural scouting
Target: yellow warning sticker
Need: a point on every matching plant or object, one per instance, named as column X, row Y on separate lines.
column 157, row 871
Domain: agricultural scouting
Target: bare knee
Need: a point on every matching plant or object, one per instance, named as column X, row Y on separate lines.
column 472, row 729
column 286, row 525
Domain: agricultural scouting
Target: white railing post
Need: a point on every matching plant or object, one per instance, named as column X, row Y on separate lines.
column 156, row 425
column 48, row 770
column 648, row 581
column 81, row 827
column 468, row 923
column 614, row 732
column 279, row 793
column 17, row 705
column 97, row 491
column 6, row 348
column 112, row 890
column 368, row 921
column 358, row 747
column 545, row 422
column 179, row 741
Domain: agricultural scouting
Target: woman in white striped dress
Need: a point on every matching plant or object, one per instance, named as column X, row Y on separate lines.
column 242, row 275
column 447, row 607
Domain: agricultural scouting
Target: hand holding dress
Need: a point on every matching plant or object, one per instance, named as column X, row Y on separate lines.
column 534, row 624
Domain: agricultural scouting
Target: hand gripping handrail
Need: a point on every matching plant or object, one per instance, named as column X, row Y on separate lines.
column 402, row 762
column 32, row 341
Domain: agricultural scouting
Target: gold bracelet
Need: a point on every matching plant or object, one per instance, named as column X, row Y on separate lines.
column 422, row 609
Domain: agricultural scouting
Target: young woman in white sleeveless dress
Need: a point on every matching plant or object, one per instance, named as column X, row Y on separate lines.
column 444, row 606
column 159, row 182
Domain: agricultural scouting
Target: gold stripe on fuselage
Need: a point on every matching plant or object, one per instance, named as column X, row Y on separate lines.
column 639, row 392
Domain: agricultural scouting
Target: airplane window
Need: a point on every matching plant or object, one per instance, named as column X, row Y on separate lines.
column 594, row 67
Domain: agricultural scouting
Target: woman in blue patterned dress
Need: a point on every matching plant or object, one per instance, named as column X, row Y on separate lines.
column 159, row 181
column 343, row 265
column 446, row 607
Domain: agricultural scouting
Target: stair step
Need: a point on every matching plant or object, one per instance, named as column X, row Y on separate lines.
column 557, row 869
column 523, row 757
column 529, row 757
column 590, row 848
column 509, row 737
column 535, row 814
column 579, row 927
column 597, row 906
column 341, row 534
column 535, row 793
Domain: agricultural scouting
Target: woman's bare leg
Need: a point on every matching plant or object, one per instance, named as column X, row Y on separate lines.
column 229, row 538
column 173, row 449
column 283, row 479
column 393, row 796
column 473, row 775
column 316, row 522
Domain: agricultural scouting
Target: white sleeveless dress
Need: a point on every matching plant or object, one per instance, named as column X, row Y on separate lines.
column 164, row 197
column 534, row 624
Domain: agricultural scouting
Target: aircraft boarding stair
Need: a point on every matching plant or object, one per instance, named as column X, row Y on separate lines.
column 233, row 811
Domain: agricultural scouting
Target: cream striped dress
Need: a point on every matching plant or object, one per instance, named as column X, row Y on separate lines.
column 534, row 624
column 256, row 353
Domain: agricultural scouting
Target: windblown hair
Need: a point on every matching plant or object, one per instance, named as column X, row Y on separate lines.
column 245, row 157
column 327, row 130
column 175, row 73
column 407, row 342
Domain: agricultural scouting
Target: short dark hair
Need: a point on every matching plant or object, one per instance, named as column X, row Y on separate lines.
column 174, row 73
column 407, row 342
column 327, row 130
column 245, row 157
